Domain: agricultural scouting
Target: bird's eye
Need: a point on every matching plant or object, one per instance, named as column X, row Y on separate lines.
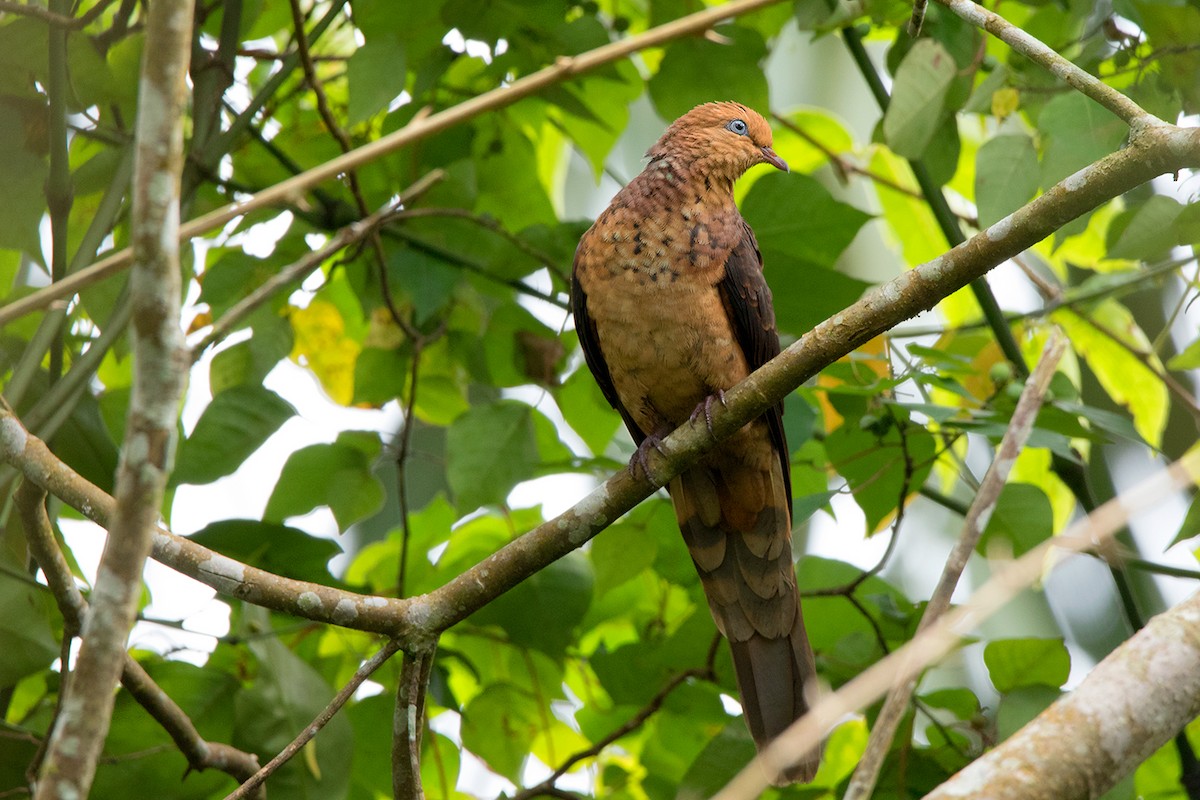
column 737, row 126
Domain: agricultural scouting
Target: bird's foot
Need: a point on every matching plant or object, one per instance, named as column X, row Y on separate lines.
column 705, row 408
column 640, row 456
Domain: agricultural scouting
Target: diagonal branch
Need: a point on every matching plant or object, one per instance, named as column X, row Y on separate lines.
column 1153, row 150
column 563, row 69
column 863, row 781
column 943, row 636
column 1128, row 706
column 305, row 736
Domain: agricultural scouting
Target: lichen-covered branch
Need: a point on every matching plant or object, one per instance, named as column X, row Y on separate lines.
column 409, row 723
column 161, row 370
column 1127, row 707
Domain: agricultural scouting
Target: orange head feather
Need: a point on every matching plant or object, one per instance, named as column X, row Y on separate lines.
column 718, row 139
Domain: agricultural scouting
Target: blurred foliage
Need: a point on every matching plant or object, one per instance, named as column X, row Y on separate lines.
column 458, row 314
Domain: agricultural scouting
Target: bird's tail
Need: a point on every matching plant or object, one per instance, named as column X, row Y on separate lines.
column 737, row 527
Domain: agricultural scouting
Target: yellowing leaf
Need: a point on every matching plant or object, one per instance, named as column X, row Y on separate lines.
column 1005, row 101
column 876, row 362
column 1128, row 381
column 1034, row 466
column 1087, row 249
column 321, row 343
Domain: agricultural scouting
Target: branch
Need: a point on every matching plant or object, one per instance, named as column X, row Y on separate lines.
column 408, row 724
column 1061, row 68
column 313, row 728
column 563, row 69
column 79, row 732
column 1153, row 150
column 200, row 754
column 1025, row 414
column 1131, row 704
column 943, row 636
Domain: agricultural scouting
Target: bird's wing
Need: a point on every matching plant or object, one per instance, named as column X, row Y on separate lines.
column 589, row 340
column 747, row 300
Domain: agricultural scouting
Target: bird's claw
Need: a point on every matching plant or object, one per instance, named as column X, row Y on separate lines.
column 705, row 408
column 640, row 455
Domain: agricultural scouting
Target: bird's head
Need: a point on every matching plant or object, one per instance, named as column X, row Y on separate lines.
column 720, row 139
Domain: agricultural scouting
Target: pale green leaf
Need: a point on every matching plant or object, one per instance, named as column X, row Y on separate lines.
column 918, row 95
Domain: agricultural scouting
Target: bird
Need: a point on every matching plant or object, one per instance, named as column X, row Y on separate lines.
column 671, row 309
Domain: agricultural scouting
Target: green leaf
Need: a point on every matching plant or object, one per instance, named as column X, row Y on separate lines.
column 22, row 203
column 587, row 412
column 337, row 475
column 801, row 231
column 249, row 361
column 1191, row 523
column 543, row 611
column 1075, row 131
column 286, row 695
column 1016, row 663
column 694, row 65
column 723, row 758
column 881, row 466
column 1127, row 380
column 233, row 426
column 275, row 548
column 1020, row 706
column 377, row 76
column 918, row 97
column 26, row 635
column 1144, row 232
column 818, row 125
column 1023, row 518
column 1006, row 176
column 491, row 449
column 499, row 726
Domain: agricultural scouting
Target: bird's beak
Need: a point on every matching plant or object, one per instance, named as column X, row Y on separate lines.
column 774, row 160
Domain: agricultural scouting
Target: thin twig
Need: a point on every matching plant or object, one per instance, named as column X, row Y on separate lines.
column 313, row 728
column 867, row 772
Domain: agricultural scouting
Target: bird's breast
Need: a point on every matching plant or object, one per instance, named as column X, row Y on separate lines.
column 653, row 297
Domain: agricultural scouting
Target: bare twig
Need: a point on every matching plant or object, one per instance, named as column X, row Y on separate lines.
column 940, row 638
column 563, row 69
column 79, row 733
column 313, row 728
column 863, row 781
column 199, row 753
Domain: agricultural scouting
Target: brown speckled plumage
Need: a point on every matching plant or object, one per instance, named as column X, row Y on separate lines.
column 672, row 308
